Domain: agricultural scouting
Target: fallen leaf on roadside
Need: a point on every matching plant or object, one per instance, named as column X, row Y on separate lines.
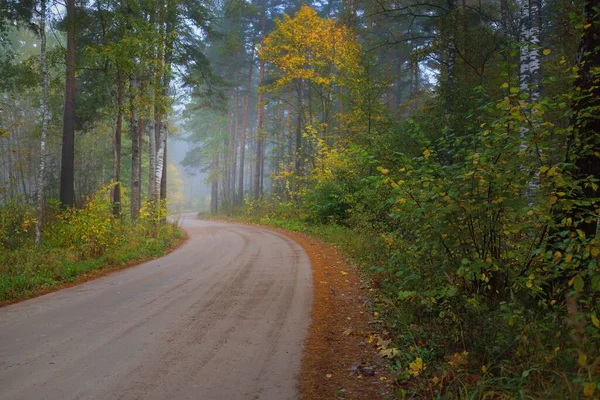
column 389, row 353
column 416, row 367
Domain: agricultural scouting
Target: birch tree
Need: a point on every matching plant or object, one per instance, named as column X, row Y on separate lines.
column 45, row 117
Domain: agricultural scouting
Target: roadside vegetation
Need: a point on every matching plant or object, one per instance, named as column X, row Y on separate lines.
column 75, row 242
column 472, row 204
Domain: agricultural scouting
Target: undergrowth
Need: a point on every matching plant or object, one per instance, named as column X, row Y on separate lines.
column 74, row 242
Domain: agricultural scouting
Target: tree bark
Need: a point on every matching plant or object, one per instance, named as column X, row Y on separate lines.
column 524, row 36
column 45, row 115
column 260, row 135
column 535, row 66
column 234, row 144
column 135, row 123
column 159, row 107
column 116, row 198
column 451, row 60
column 67, row 169
column 168, row 58
column 214, row 192
column 585, row 143
column 299, row 112
column 245, row 126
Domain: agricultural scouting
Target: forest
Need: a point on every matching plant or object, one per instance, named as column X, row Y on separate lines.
column 449, row 148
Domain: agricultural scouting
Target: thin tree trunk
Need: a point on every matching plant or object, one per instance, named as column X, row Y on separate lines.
column 151, row 161
column 535, row 70
column 136, row 154
column 245, row 126
column 45, row 115
column 260, row 134
column 451, row 60
column 168, row 51
column 234, row 139
column 67, row 170
column 214, row 192
column 524, row 36
column 159, row 108
column 117, row 148
column 299, row 112
column 163, row 179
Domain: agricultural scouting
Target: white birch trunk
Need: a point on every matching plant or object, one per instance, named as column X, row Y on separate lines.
column 161, row 139
column 535, row 70
column 45, row 117
column 152, row 163
column 524, row 36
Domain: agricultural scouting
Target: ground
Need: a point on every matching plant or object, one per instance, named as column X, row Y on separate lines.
column 338, row 362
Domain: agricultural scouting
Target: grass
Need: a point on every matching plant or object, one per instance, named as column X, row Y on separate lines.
column 26, row 271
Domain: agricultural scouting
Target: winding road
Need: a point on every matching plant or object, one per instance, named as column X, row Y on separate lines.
column 223, row 317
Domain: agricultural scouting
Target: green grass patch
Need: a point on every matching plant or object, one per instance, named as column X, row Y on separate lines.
column 27, row 270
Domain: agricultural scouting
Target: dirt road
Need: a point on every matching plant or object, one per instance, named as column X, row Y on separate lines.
column 223, row 317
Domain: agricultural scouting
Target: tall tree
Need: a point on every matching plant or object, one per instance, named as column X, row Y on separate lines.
column 116, row 194
column 67, row 172
column 585, row 141
column 136, row 129
column 260, row 134
column 45, row 117
column 244, row 132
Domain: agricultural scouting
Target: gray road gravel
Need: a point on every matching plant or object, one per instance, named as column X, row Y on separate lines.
column 223, row 317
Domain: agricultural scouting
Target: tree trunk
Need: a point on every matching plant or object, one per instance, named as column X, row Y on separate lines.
column 299, row 112
column 117, row 148
column 168, row 58
column 585, row 143
column 524, row 30
column 535, row 70
column 135, row 123
column 245, row 126
column 45, row 115
column 67, row 169
column 260, row 135
column 451, row 60
column 214, row 192
column 234, row 139
column 159, row 107
column 151, row 160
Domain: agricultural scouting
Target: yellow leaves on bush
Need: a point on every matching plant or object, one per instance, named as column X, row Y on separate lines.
column 427, row 153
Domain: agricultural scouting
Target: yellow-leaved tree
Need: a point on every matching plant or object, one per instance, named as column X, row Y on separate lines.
column 315, row 58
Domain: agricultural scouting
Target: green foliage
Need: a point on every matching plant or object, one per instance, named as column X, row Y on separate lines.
column 17, row 223
column 74, row 242
column 477, row 276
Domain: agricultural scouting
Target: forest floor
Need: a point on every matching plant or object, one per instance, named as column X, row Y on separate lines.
column 339, row 362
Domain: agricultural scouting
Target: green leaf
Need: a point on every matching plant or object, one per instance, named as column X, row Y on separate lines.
column 579, row 284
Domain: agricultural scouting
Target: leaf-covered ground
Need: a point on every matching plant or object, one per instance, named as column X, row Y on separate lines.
column 343, row 353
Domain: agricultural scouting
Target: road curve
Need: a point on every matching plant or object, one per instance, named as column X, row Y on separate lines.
column 223, row 317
